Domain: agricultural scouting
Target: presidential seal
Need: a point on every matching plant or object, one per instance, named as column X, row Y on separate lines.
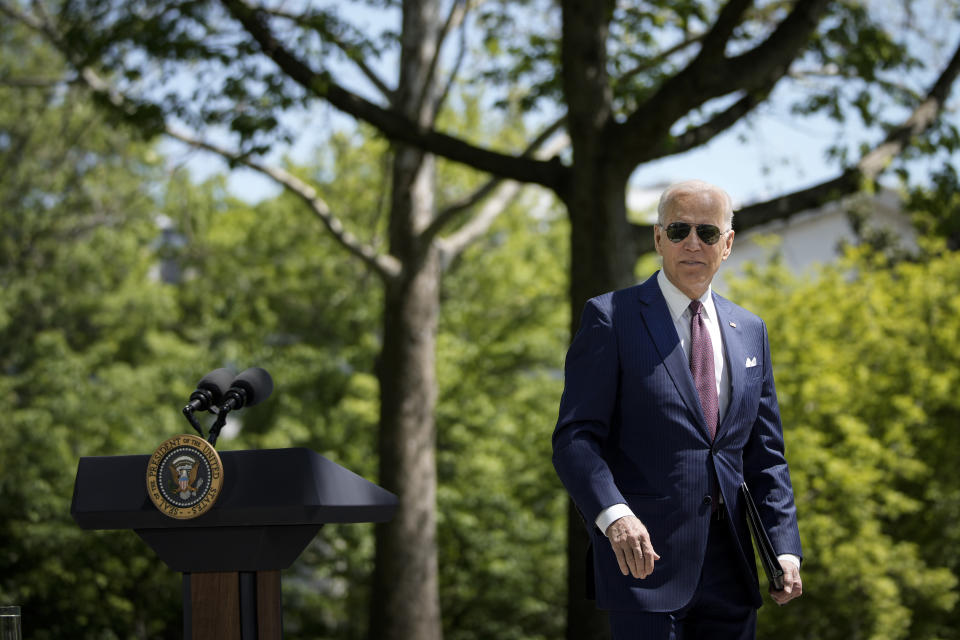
column 184, row 477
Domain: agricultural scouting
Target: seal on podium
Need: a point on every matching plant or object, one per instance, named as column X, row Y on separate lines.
column 184, row 477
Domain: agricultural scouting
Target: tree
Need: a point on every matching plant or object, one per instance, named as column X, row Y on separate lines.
column 636, row 83
column 865, row 355
column 80, row 327
column 500, row 350
column 237, row 286
column 410, row 270
column 255, row 288
column 497, row 353
column 296, row 312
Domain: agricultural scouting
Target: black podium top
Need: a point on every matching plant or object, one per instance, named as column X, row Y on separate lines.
column 271, row 504
column 261, row 487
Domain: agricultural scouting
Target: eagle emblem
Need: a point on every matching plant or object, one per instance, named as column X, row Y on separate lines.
column 184, row 477
column 184, row 471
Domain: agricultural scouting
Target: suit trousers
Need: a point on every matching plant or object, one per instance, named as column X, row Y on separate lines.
column 720, row 609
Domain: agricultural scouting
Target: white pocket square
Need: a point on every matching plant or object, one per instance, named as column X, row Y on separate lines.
column 751, row 362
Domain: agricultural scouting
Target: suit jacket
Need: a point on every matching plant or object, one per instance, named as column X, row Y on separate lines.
column 631, row 430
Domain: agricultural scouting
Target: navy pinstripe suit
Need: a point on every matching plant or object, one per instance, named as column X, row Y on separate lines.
column 631, row 430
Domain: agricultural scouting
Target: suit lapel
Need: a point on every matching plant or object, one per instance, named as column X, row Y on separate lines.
column 733, row 347
column 656, row 316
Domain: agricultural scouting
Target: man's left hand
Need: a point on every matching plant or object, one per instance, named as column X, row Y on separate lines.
column 792, row 585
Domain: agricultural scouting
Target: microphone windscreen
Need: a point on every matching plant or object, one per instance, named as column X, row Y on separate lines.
column 257, row 384
column 216, row 382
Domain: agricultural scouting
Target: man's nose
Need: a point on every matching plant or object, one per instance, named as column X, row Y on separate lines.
column 692, row 242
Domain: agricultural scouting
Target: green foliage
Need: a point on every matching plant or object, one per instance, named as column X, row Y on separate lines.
column 866, row 363
column 865, row 59
column 501, row 510
column 936, row 209
column 100, row 303
column 99, row 354
column 865, row 355
column 519, row 53
column 84, row 354
column 267, row 286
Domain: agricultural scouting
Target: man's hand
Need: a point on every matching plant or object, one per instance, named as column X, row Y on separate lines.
column 631, row 544
column 792, row 586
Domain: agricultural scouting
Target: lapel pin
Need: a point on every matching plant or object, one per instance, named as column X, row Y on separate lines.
column 733, row 324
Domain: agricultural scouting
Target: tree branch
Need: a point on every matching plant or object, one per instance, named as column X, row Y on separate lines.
column 385, row 266
column 851, row 180
column 455, row 244
column 458, row 12
column 365, row 69
column 21, row 17
column 715, row 42
column 922, row 118
column 550, row 174
column 646, row 65
column 502, row 196
column 773, row 56
column 719, row 123
column 450, row 212
column 31, row 83
column 779, row 208
column 787, row 205
column 461, row 54
column 709, row 75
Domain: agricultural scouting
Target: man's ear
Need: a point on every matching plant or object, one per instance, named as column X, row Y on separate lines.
column 657, row 238
column 728, row 244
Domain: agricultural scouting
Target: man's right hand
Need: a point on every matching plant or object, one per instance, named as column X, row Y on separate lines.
column 631, row 544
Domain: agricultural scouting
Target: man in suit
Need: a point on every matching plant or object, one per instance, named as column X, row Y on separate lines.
column 668, row 406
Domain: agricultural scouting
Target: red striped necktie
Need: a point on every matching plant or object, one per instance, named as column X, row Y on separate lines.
column 701, row 366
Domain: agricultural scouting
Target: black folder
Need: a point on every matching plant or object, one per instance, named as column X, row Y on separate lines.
column 768, row 557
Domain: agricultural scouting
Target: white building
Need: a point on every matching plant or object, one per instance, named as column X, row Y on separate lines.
column 813, row 237
column 802, row 240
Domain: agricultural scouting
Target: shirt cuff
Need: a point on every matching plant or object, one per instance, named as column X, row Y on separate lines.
column 611, row 514
column 789, row 557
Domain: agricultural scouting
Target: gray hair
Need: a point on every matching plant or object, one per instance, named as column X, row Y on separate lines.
column 694, row 187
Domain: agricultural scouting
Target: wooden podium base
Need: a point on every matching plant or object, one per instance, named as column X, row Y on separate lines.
column 232, row 605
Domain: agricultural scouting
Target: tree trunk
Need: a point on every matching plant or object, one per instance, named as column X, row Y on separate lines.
column 602, row 258
column 405, row 597
column 601, row 248
column 405, row 600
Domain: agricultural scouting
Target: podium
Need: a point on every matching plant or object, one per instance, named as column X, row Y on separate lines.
column 271, row 505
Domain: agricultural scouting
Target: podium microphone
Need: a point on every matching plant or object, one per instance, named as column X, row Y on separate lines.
column 209, row 393
column 250, row 387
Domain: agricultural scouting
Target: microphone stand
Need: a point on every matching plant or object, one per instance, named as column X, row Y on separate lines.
column 188, row 413
column 217, row 425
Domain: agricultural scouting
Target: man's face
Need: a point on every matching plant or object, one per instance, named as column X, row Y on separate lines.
column 691, row 263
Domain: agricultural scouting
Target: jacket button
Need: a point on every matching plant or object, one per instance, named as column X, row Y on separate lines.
column 707, row 499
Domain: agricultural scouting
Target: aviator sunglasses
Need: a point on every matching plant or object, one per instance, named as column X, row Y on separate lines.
column 677, row 231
